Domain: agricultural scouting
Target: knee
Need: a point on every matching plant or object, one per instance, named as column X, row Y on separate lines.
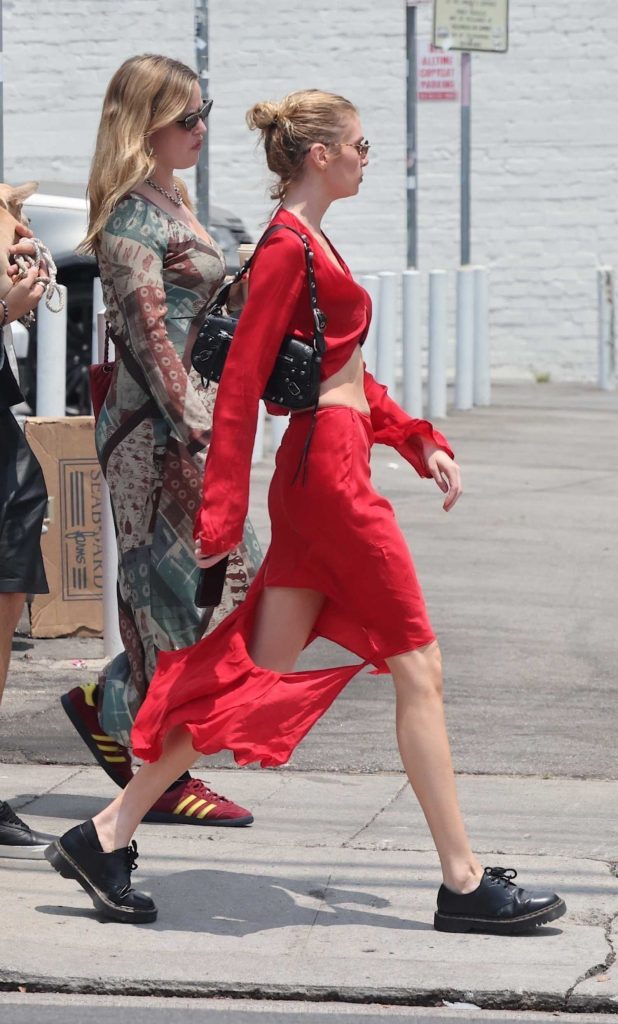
column 419, row 677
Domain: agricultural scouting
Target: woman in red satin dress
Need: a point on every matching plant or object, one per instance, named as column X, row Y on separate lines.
column 338, row 565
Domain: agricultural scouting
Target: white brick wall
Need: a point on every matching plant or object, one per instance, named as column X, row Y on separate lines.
column 545, row 137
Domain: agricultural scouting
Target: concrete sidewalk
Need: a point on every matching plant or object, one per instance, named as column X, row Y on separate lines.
column 330, row 893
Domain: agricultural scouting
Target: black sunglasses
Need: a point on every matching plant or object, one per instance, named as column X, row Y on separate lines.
column 189, row 122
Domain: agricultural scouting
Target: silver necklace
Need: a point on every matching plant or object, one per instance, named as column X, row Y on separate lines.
column 176, row 199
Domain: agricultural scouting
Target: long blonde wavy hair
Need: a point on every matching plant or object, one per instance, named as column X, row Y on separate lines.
column 146, row 93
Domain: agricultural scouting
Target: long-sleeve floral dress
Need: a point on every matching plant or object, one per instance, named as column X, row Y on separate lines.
column 153, row 432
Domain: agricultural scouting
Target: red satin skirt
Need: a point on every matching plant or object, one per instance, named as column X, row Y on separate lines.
column 331, row 532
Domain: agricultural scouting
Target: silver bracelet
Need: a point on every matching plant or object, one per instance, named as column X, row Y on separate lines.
column 5, row 313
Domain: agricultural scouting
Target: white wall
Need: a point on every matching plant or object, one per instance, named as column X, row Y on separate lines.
column 545, row 137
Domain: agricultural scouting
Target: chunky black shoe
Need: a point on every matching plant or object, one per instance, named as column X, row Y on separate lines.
column 497, row 906
column 106, row 877
column 18, row 840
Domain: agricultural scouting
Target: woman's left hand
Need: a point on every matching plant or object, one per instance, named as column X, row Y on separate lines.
column 445, row 472
column 207, row 561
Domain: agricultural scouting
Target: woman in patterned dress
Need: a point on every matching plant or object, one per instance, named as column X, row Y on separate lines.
column 159, row 269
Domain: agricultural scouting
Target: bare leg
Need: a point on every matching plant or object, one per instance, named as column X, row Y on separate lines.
column 10, row 611
column 424, row 748
column 283, row 622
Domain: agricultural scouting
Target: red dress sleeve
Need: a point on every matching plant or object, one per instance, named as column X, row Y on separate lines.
column 414, row 439
column 276, row 281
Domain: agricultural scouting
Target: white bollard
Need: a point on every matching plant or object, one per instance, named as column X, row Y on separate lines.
column 258, row 444
column 371, row 284
column 607, row 329
column 51, row 359
column 278, row 427
column 412, row 343
column 385, row 360
column 436, row 366
column 482, row 357
column 112, row 641
column 97, row 307
column 464, row 348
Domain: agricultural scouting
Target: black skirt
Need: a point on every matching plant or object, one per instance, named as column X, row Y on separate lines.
column 23, row 500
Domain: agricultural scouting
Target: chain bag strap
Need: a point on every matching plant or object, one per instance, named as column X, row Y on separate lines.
column 295, row 379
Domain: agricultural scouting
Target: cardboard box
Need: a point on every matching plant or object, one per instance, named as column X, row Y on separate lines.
column 72, row 545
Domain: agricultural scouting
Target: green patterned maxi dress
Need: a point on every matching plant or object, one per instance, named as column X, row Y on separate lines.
column 157, row 277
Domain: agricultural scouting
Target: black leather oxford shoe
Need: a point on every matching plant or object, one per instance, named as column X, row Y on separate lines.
column 497, row 906
column 106, row 877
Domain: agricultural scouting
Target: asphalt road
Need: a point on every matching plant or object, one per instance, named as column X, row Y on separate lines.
column 520, row 580
column 63, row 1009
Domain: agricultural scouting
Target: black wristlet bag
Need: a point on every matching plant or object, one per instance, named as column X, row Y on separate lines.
column 295, row 380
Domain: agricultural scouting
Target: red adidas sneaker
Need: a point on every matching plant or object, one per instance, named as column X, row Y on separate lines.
column 191, row 802
column 80, row 705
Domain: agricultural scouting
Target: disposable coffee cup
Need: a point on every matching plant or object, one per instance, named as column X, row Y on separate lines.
column 245, row 250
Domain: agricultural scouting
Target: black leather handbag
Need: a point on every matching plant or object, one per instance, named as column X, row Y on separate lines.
column 295, row 380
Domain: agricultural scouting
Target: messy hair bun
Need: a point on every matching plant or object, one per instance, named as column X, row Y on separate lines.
column 288, row 130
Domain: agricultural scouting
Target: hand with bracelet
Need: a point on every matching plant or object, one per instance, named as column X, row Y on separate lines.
column 26, row 293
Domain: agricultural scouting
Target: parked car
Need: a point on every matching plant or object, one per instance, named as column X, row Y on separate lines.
column 58, row 216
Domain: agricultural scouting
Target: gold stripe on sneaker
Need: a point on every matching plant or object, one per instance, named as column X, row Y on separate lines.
column 108, row 748
column 115, row 760
column 179, row 808
column 206, row 810
column 88, row 690
column 101, row 737
column 194, row 807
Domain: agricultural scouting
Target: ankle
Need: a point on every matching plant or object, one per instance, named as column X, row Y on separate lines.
column 463, row 876
column 107, row 832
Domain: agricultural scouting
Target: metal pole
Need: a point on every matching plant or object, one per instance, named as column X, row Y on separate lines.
column 201, row 59
column 606, row 379
column 436, row 369
column 278, row 427
column 98, row 306
column 412, row 343
column 385, row 365
column 112, row 641
column 258, row 444
column 1, row 99
column 51, row 359
column 482, row 357
column 464, row 350
column 466, row 87
column 411, row 158
column 371, row 284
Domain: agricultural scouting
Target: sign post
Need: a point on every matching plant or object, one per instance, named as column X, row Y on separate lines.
column 411, row 161
column 201, row 58
column 467, row 25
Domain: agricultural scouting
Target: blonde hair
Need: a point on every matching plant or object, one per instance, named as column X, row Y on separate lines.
column 146, row 93
column 289, row 129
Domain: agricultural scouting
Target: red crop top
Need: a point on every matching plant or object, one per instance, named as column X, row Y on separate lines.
column 278, row 304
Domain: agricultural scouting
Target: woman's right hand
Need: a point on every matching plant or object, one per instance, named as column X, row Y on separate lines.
column 25, row 294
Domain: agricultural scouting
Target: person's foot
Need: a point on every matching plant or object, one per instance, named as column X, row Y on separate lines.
column 188, row 802
column 497, row 906
column 18, row 840
column 106, row 877
column 191, row 802
column 80, row 705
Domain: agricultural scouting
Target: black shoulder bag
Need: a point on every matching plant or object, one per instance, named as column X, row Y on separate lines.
column 295, row 380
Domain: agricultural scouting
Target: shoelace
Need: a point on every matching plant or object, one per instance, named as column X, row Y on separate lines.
column 8, row 816
column 131, row 855
column 503, row 876
column 199, row 787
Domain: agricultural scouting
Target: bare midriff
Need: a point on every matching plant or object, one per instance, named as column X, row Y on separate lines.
column 346, row 386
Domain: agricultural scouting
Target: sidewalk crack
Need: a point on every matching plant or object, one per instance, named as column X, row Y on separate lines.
column 379, row 811
column 571, row 1000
